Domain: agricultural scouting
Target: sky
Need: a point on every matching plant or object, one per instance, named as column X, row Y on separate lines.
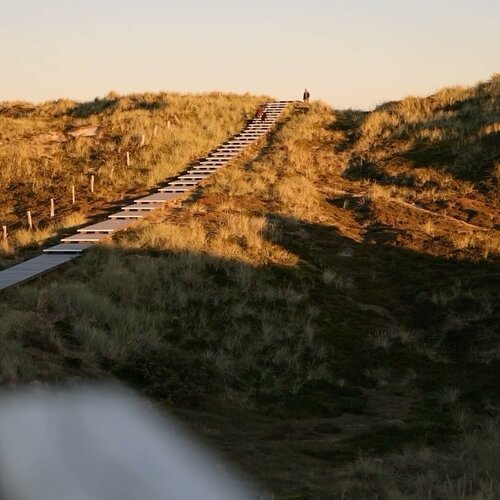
column 349, row 53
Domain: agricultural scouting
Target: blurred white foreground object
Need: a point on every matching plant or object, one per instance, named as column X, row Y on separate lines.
column 103, row 444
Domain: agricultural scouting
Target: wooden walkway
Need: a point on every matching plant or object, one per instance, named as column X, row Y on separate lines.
column 72, row 246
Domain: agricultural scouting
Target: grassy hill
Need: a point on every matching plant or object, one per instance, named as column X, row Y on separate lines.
column 46, row 149
column 324, row 310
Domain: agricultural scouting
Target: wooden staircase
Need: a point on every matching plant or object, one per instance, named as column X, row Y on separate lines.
column 72, row 246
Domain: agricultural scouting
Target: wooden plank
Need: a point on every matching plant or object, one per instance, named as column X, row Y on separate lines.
column 199, row 177
column 207, row 171
column 68, row 248
column 157, row 198
column 141, row 208
column 175, row 189
column 106, row 226
column 207, row 168
column 130, row 214
column 32, row 268
column 184, row 183
column 86, row 238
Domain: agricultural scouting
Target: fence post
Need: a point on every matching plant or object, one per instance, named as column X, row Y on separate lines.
column 143, row 140
column 168, row 124
column 30, row 220
column 128, row 159
column 52, row 208
column 155, row 131
column 91, row 183
column 4, row 233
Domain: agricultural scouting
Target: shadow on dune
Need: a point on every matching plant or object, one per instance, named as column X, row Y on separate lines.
column 261, row 353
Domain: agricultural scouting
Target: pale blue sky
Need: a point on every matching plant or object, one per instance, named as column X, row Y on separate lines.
column 350, row 53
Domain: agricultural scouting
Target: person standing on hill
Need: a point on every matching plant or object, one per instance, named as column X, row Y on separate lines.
column 263, row 116
column 306, row 95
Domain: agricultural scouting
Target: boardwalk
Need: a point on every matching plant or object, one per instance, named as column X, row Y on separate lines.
column 72, row 246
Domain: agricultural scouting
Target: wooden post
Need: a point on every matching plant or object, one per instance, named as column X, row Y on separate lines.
column 91, row 183
column 128, row 159
column 4, row 233
column 155, row 131
column 143, row 140
column 73, row 198
column 30, row 221
column 168, row 124
column 177, row 120
column 52, row 208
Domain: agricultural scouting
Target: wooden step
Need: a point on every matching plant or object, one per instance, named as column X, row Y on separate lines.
column 205, row 166
column 68, row 248
column 176, row 189
column 130, row 214
column 86, row 238
column 183, row 183
column 107, row 226
column 191, row 177
column 157, row 198
column 138, row 208
column 207, row 172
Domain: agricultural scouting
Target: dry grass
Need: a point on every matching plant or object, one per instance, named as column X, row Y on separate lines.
column 445, row 128
column 469, row 470
column 439, row 155
column 161, row 132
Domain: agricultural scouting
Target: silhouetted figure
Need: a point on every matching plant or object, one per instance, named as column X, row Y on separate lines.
column 263, row 116
column 259, row 113
column 306, row 96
